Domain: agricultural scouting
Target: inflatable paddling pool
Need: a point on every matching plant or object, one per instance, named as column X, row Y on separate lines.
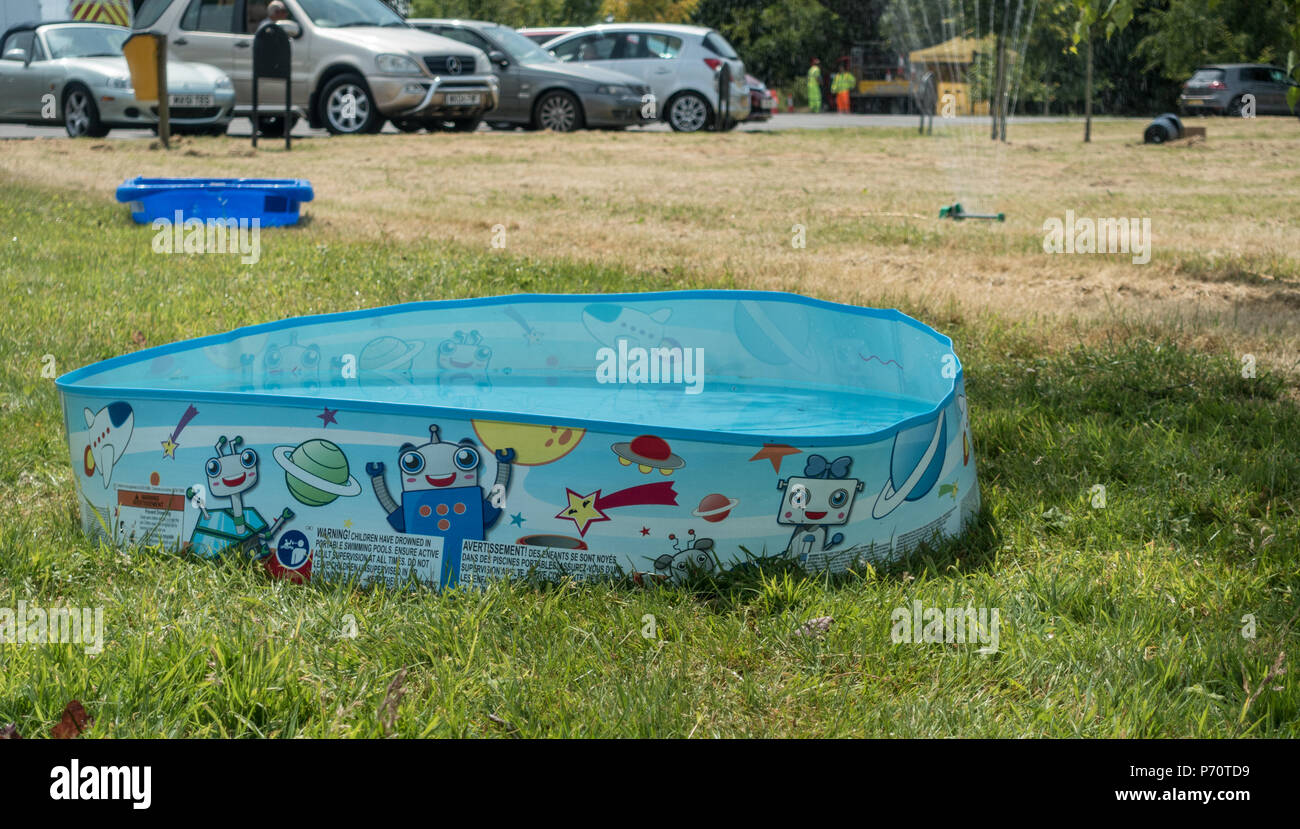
column 659, row 435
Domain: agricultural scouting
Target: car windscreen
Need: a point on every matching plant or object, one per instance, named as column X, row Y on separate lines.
column 337, row 14
column 718, row 45
column 149, row 12
column 517, row 46
column 85, row 41
column 1204, row 76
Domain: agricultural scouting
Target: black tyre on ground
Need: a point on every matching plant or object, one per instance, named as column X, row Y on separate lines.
column 1159, row 131
column 558, row 111
column 80, row 114
column 347, row 108
column 1173, row 118
column 688, row 112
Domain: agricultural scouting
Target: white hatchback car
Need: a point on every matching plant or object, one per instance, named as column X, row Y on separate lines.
column 682, row 66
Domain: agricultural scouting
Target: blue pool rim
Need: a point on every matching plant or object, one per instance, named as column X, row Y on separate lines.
column 69, row 381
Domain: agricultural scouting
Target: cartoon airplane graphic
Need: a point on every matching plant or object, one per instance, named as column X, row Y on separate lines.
column 109, row 431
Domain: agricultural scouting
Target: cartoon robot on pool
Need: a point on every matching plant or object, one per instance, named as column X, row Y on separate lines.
column 442, row 495
column 822, row 497
column 231, row 473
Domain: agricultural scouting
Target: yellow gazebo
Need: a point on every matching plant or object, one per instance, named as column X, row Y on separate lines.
column 950, row 61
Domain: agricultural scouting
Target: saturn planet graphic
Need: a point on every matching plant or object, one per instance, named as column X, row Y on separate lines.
column 914, row 465
column 648, row 452
column 714, row 507
column 316, row 472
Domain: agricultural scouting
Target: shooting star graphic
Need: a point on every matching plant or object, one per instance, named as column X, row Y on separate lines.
column 584, row 510
column 169, row 445
column 531, row 334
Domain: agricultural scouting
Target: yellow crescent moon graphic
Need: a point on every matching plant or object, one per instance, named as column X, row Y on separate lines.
column 535, row 444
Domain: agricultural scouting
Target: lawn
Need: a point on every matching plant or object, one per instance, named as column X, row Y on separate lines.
column 1119, row 620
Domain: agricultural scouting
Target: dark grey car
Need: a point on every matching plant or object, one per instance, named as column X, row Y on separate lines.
column 540, row 92
column 1222, row 89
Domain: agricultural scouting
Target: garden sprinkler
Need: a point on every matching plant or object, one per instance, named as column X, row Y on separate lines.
column 955, row 212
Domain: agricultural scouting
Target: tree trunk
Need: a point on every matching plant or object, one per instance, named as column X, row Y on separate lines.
column 1087, row 96
column 995, row 95
column 1003, row 93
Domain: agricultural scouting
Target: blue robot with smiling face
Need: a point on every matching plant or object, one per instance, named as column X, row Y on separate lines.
column 820, row 498
column 442, row 495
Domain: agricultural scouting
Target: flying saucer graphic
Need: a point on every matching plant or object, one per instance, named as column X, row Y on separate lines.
column 316, row 472
column 714, row 507
column 648, row 452
column 913, row 467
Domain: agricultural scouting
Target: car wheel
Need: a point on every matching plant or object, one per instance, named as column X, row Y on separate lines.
column 558, row 111
column 408, row 124
column 688, row 112
column 347, row 108
column 1234, row 108
column 80, row 115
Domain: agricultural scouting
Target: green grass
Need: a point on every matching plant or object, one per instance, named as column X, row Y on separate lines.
column 1117, row 621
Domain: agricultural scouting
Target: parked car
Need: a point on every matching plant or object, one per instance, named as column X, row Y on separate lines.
column 82, row 67
column 540, row 35
column 681, row 65
column 540, row 92
column 1222, row 89
column 760, row 100
column 356, row 63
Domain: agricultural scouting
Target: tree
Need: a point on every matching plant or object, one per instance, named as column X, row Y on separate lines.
column 649, row 11
column 775, row 37
column 1113, row 15
column 1185, row 34
column 515, row 13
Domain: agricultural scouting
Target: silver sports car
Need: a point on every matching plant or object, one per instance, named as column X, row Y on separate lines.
column 75, row 73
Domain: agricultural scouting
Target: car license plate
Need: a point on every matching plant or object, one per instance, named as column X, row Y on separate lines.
column 461, row 99
column 189, row 100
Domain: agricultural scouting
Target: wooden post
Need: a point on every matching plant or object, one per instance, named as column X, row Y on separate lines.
column 164, row 104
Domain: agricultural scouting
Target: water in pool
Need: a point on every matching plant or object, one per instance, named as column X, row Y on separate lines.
column 741, row 406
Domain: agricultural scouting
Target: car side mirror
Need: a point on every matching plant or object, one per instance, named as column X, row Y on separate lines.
column 17, row 53
column 499, row 58
column 291, row 28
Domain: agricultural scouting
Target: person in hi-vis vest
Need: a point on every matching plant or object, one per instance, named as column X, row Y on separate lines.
column 815, row 86
column 841, row 84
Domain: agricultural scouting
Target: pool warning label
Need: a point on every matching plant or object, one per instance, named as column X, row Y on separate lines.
column 342, row 553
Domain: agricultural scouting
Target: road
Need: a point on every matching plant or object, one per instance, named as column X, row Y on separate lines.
column 782, row 121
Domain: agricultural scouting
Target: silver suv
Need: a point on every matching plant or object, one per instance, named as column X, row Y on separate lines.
column 356, row 63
